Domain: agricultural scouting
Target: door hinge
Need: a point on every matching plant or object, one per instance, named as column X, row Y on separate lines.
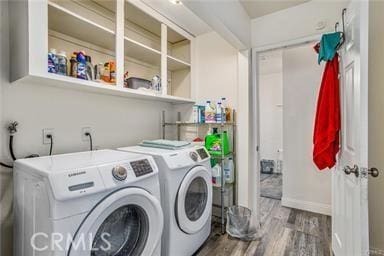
column 363, row 172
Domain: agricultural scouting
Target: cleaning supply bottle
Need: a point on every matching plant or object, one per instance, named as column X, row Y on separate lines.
column 209, row 113
column 229, row 171
column 224, row 106
column 81, row 65
column 216, row 175
column 227, row 109
column 90, row 75
column 219, row 112
column 217, row 143
column 52, row 61
column 73, row 66
column 62, row 63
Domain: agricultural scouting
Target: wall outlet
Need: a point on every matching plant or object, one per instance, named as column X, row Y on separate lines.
column 84, row 130
column 47, row 131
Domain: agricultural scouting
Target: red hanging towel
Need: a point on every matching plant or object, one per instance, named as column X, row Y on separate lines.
column 327, row 123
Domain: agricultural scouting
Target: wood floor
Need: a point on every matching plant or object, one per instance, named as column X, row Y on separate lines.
column 284, row 231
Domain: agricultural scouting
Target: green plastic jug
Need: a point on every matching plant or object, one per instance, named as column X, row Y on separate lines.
column 217, row 143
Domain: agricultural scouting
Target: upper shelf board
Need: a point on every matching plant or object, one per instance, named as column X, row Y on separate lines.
column 100, row 88
column 69, row 23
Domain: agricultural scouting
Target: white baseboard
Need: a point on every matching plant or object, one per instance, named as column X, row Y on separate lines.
column 307, row 206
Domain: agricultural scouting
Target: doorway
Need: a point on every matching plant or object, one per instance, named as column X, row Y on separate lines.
column 271, row 123
column 288, row 84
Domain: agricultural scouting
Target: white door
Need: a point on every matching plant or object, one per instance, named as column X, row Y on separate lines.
column 127, row 222
column 349, row 180
column 194, row 200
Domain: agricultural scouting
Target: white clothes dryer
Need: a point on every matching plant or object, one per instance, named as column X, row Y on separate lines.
column 95, row 203
column 186, row 196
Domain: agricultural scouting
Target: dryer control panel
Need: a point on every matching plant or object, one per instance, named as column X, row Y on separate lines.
column 187, row 157
column 89, row 180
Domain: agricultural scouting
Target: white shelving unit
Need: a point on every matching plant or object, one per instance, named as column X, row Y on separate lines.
column 129, row 33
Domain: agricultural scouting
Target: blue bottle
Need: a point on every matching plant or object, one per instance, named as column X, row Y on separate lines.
column 52, row 61
column 81, row 65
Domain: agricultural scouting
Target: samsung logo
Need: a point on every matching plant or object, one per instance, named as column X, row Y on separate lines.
column 76, row 173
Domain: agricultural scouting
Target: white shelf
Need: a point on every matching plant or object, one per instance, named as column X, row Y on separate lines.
column 175, row 64
column 98, row 87
column 66, row 22
column 69, row 23
column 139, row 51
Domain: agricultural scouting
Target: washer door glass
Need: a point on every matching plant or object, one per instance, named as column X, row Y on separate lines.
column 123, row 232
column 129, row 221
column 196, row 199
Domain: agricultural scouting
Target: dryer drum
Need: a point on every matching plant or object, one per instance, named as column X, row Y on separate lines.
column 196, row 199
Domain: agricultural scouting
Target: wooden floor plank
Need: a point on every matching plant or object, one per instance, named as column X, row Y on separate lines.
column 284, row 231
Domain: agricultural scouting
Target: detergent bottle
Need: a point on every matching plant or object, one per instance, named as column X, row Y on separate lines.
column 209, row 113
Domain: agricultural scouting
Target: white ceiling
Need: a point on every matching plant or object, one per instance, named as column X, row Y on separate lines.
column 258, row 8
column 180, row 15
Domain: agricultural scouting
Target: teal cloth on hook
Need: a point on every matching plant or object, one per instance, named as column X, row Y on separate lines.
column 328, row 46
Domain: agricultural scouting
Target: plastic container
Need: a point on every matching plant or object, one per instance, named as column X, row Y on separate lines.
column 216, row 176
column 62, row 63
column 229, row 171
column 90, row 71
column 81, row 65
column 73, row 67
column 209, row 113
column 112, row 70
column 217, row 143
column 239, row 223
column 227, row 110
column 52, row 61
column 219, row 113
column 156, row 83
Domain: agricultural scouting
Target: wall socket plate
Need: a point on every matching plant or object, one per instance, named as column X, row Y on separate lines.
column 47, row 131
column 85, row 130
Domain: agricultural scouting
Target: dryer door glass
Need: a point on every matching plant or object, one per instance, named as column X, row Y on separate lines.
column 196, row 199
column 124, row 232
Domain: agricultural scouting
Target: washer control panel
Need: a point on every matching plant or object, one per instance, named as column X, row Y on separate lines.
column 141, row 167
column 119, row 172
column 202, row 153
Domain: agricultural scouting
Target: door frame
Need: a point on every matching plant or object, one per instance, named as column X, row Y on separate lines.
column 254, row 115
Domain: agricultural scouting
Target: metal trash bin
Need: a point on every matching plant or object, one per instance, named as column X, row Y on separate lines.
column 239, row 223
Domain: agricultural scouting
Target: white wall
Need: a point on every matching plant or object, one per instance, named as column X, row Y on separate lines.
column 375, row 126
column 216, row 69
column 222, row 71
column 296, row 22
column 271, row 109
column 304, row 186
column 115, row 122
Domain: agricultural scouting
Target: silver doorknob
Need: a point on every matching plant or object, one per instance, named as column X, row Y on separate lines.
column 374, row 172
column 355, row 170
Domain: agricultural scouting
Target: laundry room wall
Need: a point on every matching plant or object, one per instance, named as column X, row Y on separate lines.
column 115, row 122
column 311, row 18
column 304, row 186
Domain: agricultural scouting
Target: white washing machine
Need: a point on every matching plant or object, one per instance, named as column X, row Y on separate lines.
column 186, row 197
column 95, row 203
